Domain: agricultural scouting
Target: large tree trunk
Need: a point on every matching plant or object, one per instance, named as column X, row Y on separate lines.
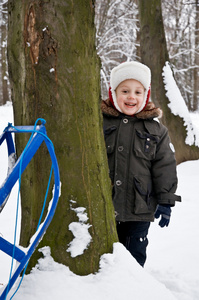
column 154, row 54
column 54, row 72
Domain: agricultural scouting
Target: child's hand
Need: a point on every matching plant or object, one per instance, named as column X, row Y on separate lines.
column 165, row 212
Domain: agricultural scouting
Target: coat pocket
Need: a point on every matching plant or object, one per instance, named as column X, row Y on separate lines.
column 110, row 141
column 110, row 138
column 143, row 191
column 145, row 145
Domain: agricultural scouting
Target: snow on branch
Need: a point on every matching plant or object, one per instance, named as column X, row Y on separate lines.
column 178, row 106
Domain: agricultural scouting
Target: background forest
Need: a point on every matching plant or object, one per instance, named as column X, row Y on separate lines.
column 117, row 40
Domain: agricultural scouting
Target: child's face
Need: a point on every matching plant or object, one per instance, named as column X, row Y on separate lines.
column 130, row 96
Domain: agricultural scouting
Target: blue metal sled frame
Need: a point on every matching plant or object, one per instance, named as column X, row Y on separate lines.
column 22, row 257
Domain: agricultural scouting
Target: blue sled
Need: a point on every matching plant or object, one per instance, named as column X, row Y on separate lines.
column 22, row 257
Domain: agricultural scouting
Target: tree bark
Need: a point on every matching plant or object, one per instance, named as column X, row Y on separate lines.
column 54, row 73
column 154, row 54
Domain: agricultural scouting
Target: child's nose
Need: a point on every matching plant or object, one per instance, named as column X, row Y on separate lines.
column 131, row 95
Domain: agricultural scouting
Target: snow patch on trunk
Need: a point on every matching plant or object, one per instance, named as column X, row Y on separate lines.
column 80, row 231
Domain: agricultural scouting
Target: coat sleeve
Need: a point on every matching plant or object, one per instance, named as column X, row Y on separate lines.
column 164, row 173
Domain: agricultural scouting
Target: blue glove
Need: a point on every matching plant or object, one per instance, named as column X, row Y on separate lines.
column 165, row 212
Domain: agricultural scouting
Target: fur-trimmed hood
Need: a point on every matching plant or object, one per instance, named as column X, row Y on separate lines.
column 149, row 112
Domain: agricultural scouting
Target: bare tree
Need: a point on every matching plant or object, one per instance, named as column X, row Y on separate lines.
column 4, row 83
column 196, row 60
column 154, row 54
column 116, row 26
column 180, row 22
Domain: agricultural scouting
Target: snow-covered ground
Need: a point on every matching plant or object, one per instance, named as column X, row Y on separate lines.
column 171, row 271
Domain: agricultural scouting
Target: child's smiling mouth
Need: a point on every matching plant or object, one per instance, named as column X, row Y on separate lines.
column 130, row 104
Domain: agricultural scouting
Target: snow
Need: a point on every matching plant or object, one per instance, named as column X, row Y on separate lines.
column 171, row 271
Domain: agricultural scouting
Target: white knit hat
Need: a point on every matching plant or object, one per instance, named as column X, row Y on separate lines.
column 130, row 70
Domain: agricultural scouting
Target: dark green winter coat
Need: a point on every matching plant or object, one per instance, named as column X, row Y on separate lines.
column 141, row 162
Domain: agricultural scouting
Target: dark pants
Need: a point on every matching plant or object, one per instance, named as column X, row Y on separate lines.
column 133, row 235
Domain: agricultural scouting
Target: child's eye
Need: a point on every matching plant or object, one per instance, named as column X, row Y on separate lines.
column 125, row 91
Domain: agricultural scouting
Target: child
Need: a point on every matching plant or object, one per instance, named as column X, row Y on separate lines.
column 142, row 165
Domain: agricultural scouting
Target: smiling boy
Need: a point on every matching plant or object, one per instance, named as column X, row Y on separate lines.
column 130, row 96
column 142, row 165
